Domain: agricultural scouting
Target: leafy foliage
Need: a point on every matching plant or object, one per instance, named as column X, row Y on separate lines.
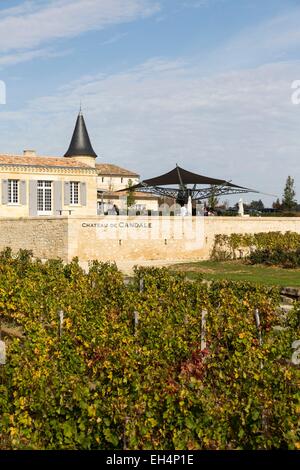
column 272, row 248
column 288, row 201
column 277, row 257
column 212, row 200
column 130, row 194
column 108, row 382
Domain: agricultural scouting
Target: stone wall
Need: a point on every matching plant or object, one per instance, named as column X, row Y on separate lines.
column 229, row 225
column 132, row 239
column 135, row 238
column 46, row 237
column 167, row 239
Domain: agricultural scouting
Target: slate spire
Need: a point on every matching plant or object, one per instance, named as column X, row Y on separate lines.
column 80, row 143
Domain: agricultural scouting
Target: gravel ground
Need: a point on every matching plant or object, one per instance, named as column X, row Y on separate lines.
column 127, row 266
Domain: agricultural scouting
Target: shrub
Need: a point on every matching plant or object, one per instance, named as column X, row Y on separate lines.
column 105, row 381
column 272, row 248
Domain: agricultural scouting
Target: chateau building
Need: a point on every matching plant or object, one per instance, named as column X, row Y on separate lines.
column 113, row 178
column 33, row 185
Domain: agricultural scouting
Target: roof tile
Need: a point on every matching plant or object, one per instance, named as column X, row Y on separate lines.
column 110, row 169
column 41, row 161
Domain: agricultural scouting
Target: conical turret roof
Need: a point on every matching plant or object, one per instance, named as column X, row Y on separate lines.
column 80, row 144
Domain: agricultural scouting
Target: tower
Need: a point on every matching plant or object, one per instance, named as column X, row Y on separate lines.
column 80, row 147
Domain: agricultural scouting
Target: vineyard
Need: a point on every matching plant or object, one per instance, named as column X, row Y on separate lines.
column 270, row 248
column 93, row 362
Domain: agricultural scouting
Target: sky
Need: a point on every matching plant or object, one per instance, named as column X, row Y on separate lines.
column 206, row 84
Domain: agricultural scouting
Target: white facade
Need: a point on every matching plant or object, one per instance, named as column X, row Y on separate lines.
column 115, row 183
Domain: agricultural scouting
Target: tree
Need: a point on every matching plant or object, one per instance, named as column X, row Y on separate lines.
column 130, row 194
column 277, row 205
column 257, row 205
column 288, row 201
column 212, row 200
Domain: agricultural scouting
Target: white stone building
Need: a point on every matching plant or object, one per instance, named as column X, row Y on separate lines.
column 33, row 185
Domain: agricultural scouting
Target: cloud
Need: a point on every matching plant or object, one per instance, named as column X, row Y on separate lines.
column 200, row 3
column 19, row 57
column 271, row 40
column 239, row 125
column 35, row 23
column 114, row 39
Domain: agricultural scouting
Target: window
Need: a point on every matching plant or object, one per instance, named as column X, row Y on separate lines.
column 44, row 197
column 139, row 207
column 122, row 180
column 74, row 192
column 13, row 191
column 102, row 179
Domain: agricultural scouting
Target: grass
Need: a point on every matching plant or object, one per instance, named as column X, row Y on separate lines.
column 239, row 271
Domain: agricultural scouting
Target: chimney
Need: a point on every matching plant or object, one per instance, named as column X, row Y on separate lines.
column 29, row 153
